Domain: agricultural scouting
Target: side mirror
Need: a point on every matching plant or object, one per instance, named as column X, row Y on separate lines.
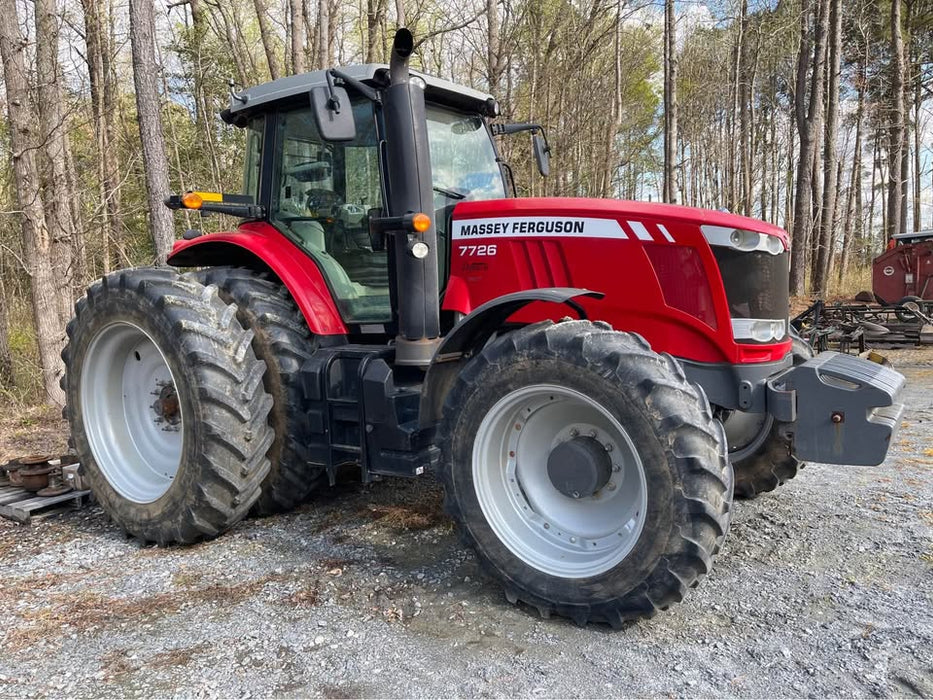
column 333, row 113
column 542, row 154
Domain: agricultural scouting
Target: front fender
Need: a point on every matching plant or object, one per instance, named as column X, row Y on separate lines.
column 472, row 333
column 259, row 246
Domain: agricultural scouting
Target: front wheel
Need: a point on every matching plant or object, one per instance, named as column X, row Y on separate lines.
column 166, row 404
column 588, row 474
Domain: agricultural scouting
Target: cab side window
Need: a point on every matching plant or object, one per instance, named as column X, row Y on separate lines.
column 321, row 199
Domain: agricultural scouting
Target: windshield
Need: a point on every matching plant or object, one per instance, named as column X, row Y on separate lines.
column 463, row 161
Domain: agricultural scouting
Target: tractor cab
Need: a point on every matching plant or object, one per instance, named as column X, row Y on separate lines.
column 323, row 194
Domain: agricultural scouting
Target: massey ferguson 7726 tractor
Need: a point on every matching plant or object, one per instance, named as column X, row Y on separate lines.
column 591, row 380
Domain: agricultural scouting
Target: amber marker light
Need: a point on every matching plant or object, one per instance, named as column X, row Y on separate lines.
column 421, row 222
column 192, row 200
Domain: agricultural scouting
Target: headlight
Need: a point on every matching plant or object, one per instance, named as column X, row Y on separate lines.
column 759, row 330
column 739, row 239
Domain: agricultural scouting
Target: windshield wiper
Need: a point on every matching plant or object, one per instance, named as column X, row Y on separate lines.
column 450, row 194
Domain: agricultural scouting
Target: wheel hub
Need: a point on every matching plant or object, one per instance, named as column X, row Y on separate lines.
column 579, row 467
column 166, row 406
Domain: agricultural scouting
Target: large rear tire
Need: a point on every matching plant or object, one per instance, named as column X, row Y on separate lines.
column 281, row 339
column 768, row 461
column 166, row 404
column 586, row 471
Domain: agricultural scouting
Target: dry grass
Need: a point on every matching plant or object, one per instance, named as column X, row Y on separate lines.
column 86, row 610
column 412, row 516
column 305, row 597
column 178, row 657
column 31, row 430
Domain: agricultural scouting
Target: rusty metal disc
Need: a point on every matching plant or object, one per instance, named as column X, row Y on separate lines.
column 34, row 459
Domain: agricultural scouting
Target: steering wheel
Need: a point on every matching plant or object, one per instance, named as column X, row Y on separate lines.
column 321, row 199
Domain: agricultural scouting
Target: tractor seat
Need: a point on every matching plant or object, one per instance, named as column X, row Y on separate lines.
column 311, row 235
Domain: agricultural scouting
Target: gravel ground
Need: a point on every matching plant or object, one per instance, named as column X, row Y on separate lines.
column 823, row 589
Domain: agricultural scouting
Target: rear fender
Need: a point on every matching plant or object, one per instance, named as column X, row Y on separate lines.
column 473, row 332
column 260, row 247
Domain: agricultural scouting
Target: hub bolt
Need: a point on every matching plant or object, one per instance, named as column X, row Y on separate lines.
column 609, row 447
column 576, row 494
column 593, row 433
column 574, row 432
column 611, row 486
column 616, row 468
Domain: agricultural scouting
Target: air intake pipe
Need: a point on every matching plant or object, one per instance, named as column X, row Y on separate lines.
column 410, row 190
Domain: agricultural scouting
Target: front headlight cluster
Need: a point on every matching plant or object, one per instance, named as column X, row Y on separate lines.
column 740, row 239
column 759, row 330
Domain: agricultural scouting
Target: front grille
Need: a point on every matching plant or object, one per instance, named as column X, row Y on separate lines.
column 756, row 283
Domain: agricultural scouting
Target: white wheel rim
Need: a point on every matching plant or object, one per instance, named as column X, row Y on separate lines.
column 137, row 448
column 552, row 532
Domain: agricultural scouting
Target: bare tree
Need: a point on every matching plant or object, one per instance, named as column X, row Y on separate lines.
column 6, row 357
column 57, row 194
column 808, row 113
column 897, row 132
column 37, row 243
column 375, row 29
column 268, row 42
column 670, row 103
column 145, row 78
column 297, row 36
column 824, row 236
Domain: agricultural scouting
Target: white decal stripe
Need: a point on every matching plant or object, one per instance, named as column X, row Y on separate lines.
column 665, row 232
column 640, row 231
column 537, row 227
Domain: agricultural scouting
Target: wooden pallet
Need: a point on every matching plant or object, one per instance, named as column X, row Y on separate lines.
column 22, row 506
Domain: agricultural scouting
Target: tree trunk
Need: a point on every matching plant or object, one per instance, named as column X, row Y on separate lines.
column 918, row 165
column 670, row 103
column 297, row 36
column 155, row 162
column 57, row 196
column 37, row 243
column 6, row 358
column 375, row 27
column 265, row 34
column 494, row 56
column 830, row 180
column 896, row 130
column 808, row 116
column 854, row 200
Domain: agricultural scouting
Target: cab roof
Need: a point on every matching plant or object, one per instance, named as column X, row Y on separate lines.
column 262, row 97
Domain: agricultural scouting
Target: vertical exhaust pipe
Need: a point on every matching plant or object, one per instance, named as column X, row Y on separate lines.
column 410, row 190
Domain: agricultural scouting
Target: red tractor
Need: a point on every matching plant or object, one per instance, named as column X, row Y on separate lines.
column 592, row 380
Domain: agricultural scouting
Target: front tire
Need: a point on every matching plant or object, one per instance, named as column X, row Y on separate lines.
column 166, row 405
column 645, row 505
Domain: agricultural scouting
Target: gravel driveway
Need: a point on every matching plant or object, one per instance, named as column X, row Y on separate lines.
column 823, row 589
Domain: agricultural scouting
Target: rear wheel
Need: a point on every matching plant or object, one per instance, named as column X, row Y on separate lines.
column 166, row 405
column 585, row 470
column 282, row 340
column 760, row 448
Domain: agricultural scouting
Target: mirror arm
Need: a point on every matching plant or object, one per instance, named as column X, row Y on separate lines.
column 349, row 81
column 333, row 102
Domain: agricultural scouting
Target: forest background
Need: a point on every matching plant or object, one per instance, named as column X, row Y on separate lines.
column 812, row 114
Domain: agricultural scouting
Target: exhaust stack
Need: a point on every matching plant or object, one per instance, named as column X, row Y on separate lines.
column 408, row 162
